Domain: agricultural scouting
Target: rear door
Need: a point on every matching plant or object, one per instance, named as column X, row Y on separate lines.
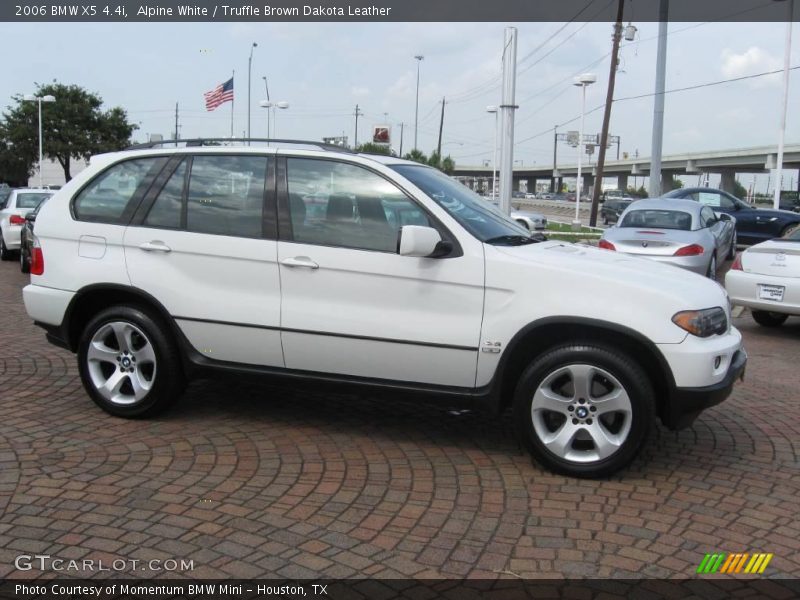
column 203, row 244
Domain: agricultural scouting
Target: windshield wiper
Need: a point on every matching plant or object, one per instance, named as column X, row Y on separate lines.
column 511, row 240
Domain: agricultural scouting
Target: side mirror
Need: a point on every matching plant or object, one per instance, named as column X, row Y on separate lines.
column 416, row 240
column 724, row 217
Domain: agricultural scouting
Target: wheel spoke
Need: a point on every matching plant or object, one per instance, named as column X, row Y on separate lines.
column 112, row 385
column 605, row 442
column 145, row 354
column 582, row 376
column 99, row 352
column 546, row 399
column 560, row 441
column 139, row 384
column 122, row 331
column 615, row 401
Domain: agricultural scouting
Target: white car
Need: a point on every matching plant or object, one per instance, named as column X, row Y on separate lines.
column 309, row 264
column 12, row 217
column 766, row 279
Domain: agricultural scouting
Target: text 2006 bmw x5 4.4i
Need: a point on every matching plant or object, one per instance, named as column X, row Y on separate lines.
column 306, row 263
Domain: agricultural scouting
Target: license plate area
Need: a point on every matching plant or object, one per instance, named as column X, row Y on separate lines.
column 770, row 292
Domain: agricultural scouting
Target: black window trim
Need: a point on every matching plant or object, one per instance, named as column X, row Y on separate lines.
column 134, row 201
column 268, row 208
column 285, row 233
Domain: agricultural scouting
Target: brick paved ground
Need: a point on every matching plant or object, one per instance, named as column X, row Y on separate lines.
column 261, row 482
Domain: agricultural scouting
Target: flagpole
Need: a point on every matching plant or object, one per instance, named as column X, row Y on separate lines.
column 232, row 97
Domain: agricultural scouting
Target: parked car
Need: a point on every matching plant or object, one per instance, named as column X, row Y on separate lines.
column 612, row 209
column 766, row 279
column 26, row 239
column 618, row 195
column 679, row 232
column 12, row 216
column 166, row 263
column 753, row 225
column 532, row 221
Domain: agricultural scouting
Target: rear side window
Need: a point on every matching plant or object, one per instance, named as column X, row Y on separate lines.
column 107, row 198
column 226, row 195
column 30, row 199
column 167, row 209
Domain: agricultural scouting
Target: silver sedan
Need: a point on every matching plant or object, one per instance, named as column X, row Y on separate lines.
column 532, row 221
column 684, row 233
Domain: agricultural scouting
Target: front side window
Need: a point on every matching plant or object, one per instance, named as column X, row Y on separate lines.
column 476, row 215
column 340, row 204
column 658, row 219
column 226, row 195
column 107, row 197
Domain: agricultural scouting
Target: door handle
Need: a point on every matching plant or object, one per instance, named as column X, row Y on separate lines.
column 300, row 261
column 155, row 246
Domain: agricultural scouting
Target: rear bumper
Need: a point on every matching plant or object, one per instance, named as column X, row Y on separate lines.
column 743, row 289
column 46, row 305
column 687, row 403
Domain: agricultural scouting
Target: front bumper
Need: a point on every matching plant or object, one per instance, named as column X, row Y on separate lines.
column 687, row 403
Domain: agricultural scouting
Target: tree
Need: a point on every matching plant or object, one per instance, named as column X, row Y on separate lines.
column 739, row 190
column 370, row 148
column 417, row 156
column 74, row 127
column 15, row 169
column 448, row 165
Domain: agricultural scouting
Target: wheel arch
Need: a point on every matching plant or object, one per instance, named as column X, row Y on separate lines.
column 541, row 335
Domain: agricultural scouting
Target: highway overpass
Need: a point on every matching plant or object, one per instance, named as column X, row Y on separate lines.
column 727, row 163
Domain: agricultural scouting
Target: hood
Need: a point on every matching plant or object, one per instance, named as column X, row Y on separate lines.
column 644, row 293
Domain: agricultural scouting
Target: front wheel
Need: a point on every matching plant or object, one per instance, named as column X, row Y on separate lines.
column 769, row 319
column 732, row 251
column 584, row 409
column 128, row 363
column 24, row 262
column 712, row 268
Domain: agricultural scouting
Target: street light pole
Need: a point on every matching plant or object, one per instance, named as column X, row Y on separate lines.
column 658, row 109
column 787, row 51
column 493, row 109
column 583, row 81
column 249, row 72
column 39, row 100
column 419, row 58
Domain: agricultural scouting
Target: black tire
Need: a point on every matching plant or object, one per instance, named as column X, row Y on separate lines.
column 711, row 272
column 24, row 262
column 605, row 220
column 769, row 319
column 628, row 374
column 167, row 381
column 5, row 253
column 732, row 251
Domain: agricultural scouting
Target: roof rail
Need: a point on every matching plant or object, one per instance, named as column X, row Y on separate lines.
column 199, row 142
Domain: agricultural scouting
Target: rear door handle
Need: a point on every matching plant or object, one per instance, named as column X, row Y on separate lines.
column 300, row 261
column 155, row 246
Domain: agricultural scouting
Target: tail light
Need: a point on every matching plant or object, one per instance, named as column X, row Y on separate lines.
column 606, row 245
column 690, row 250
column 17, row 220
column 37, row 258
column 737, row 263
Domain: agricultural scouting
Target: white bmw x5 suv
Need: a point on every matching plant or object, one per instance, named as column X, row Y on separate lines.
column 306, row 263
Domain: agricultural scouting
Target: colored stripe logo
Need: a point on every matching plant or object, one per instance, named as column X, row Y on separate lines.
column 722, row 562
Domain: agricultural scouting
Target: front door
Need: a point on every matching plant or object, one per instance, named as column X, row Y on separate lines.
column 351, row 304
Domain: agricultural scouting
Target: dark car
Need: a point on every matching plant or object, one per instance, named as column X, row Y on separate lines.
column 612, row 209
column 26, row 239
column 753, row 225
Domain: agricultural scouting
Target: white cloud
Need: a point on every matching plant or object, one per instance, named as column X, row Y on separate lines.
column 359, row 91
column 752, row 61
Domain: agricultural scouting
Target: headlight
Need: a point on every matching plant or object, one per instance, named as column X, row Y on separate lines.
column 702, row 323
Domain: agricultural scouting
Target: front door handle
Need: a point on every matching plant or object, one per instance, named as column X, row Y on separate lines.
column 155, row 246
column 300, row 261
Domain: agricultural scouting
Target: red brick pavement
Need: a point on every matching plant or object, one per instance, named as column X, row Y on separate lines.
column 254, row 481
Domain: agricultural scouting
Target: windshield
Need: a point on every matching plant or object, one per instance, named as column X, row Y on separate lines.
column 658, row 219
column 30, row 199
column 476, row 215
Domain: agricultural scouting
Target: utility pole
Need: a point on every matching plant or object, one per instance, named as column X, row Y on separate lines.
column 249, row 72
column 555, row 158
column 419, row 58
column 658, row 110
column 401, row 139
column 441, row 126
column 357, row 114
column 612, row 78
column 176, row 123
column 507, row 108
column 787, row 50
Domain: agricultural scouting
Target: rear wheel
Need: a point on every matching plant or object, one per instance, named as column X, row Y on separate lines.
column 732, row 251
column 769, row 319
column 5, row 253
column 584, row 409
column 24, row 262
column 128, row 363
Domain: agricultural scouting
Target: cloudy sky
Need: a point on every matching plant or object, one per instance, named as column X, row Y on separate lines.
column 324, row 70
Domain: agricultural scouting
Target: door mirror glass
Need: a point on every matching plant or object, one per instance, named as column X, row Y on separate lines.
column 416, row 240
column 726, row 216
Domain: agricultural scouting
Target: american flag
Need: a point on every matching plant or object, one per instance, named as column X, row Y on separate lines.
column 219, row 95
